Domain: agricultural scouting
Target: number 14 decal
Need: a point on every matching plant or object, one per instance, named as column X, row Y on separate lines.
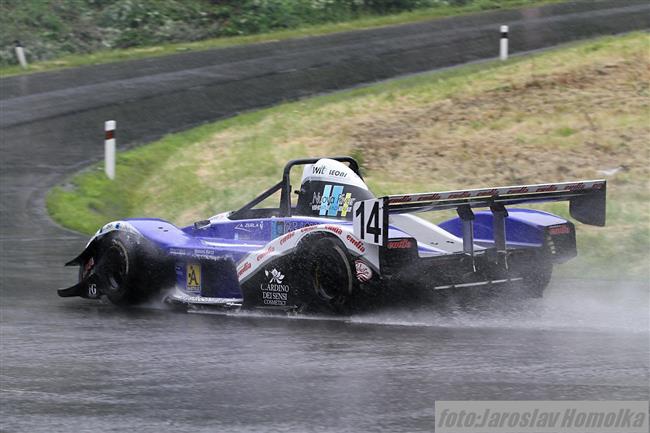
column 368, row 220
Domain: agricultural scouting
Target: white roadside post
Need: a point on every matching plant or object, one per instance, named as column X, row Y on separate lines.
column 109, row 148
column 20, row 55
column 503, row 47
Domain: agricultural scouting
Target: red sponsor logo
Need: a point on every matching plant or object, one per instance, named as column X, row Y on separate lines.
column 559, row 230
column 268, row 251
column 521, row 190
column 487, row 192
column 402, row 244
column 462, row 194
column 428, row 197
column 286, row 237
column 334, row 229
column 246, row 266
column 575, row 187
column 307, row 229
column 401, row 199
column 356, row 242
column 548, row 188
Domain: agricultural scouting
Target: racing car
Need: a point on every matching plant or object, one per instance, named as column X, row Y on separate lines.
column 333, row 246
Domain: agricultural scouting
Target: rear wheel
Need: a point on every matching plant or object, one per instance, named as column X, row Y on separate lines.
column 331, row 281
column 537, row 278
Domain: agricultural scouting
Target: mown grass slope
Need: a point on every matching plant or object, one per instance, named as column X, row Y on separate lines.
column 577, row 112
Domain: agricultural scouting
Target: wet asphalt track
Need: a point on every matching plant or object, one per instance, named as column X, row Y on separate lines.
column 74, row 365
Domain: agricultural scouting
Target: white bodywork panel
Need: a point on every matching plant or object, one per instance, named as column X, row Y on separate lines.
column 288, row 242
column 427, row 233
column 328, row 170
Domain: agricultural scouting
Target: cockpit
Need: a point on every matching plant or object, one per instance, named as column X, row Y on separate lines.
column 329, row 187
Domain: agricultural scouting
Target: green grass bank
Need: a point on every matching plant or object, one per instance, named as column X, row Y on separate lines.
column 71, row 33
column 576, row 112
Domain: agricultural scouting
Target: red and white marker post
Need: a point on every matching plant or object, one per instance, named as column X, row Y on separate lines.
column 109, row 148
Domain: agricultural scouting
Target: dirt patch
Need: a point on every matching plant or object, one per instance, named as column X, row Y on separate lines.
column 547, row 128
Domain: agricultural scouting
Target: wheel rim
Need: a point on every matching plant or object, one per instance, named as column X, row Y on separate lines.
column 116, row 267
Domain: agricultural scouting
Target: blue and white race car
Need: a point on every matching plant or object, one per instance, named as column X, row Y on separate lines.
column 334, row 246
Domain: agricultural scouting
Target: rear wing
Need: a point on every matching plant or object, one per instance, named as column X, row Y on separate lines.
column 586, row 204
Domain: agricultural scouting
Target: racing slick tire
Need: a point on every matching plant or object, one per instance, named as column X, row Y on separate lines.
column 536, row 279
column 116, row 270
column 331, row 285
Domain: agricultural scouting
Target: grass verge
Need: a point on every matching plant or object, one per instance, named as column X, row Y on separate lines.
column 576, row 112
column 116, row 55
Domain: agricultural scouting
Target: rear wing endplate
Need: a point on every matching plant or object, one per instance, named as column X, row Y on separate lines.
column 586, row 204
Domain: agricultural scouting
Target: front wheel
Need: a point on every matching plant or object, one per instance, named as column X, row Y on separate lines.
column 116, row 270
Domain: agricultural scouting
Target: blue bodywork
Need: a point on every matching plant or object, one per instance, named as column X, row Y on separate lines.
column 225, row 241
column 233, row 240
column 524, row 227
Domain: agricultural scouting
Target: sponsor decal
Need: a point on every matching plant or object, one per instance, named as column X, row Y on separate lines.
column 358, row 244
column 461, row 194
column 250, row 226
column 428, row 197
column 92, row 290
column 521, row 190
column 334, row 229
column 274, row 292
column 325, row 200
column 274, row 276
column 401, row 244
column 494, row 192
column 487, row 192
column 402, row 199
column 288, row 226
column 268, row 251
column 333, row 208
column 243, row 268
column 324, row 171
column 547, row 188
column 559, row 230
column 363, row 271
column 332, row 201
column 575, row 187
column 347, row 204
column 202, row 252
column 193, row 277
column 286, row 237
column 248, row 230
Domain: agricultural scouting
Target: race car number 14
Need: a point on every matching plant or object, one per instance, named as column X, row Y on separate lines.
column 368, row 221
